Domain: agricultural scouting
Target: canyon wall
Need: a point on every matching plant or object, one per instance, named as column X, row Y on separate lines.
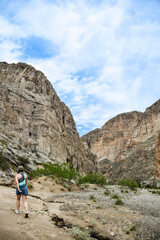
column 128, row 146
column 34, row 123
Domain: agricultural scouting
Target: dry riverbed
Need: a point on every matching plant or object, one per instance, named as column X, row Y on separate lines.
column 60, row 210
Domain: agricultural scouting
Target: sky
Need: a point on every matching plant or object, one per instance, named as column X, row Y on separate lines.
column 101, row 56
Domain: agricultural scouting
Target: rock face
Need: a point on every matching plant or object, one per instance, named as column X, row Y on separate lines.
column 157, row 150
column 126, row 145
column 34, row 122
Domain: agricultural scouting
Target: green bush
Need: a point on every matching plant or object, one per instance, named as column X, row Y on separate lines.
column 93, row 178
column 155, row 192
column 23, row 160
column 133, row 228
column 98, row 207
column 92, row 197
column 60, row 170
column 115, row 196
column 119, row 202
column 118, row 199
column 107, row 192
column 129, row 183
column 66, row 171
column 4, row 164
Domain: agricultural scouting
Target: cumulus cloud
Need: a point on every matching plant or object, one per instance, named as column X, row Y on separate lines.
column 103, row 55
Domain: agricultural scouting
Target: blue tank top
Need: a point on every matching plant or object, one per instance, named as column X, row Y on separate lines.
column 22, row 180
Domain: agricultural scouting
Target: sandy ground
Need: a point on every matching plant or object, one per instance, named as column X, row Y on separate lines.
column 37, row 226
column 54, row 211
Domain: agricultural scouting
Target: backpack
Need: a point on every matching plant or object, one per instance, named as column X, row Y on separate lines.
column 22, row 180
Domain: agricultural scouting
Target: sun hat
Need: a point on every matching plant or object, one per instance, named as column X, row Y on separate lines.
column 20, row 168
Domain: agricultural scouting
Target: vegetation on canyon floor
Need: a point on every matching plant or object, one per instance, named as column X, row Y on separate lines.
column 66, row 171
column 129, row 183
column 157, row 192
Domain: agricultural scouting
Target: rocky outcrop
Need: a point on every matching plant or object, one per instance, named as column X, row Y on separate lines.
column 125, row 146
column 34, row 123
column 157, row 150
column 114, row 134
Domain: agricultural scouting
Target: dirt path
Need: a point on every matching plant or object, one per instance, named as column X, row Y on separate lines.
column 55, row 211
column 38, row 226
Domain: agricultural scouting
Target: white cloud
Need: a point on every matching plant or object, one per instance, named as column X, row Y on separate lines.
column 9, row 30
column 10, row 51
column 108, row 52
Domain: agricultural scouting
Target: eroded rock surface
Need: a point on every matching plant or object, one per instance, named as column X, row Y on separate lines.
column 125, row 145
column 34, row 122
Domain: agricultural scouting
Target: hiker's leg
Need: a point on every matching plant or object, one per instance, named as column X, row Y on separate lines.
column 18, row 202
column 24, row 198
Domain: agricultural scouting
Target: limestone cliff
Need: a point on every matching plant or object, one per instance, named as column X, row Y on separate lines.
column 125, row 145
column 34, row 122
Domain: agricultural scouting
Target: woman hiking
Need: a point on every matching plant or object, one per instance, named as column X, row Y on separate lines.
column 21, row 190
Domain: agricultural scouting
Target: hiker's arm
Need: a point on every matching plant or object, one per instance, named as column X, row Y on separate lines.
column 17, row 184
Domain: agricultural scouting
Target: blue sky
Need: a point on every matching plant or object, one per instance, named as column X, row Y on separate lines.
column 102, row 56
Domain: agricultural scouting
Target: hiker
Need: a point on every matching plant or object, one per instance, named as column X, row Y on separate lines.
column 21, row 190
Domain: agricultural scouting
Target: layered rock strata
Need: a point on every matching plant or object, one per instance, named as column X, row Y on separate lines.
column 126, row 145
column 34, row 122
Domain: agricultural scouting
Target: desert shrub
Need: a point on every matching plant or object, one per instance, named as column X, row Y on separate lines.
column 107, row 192
column 115, row 207
column 129, row 183
column 80, row 234
column 36, row 173
column 119, row 202
column 96, row 178
column 133, row 228
column 92, row 197
column 23, row 160
column 118, row 199
column 98, row 207
column 60, row 170
column 4, row 164
column 155, row 192
column 66, row 171
column 115, row 196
